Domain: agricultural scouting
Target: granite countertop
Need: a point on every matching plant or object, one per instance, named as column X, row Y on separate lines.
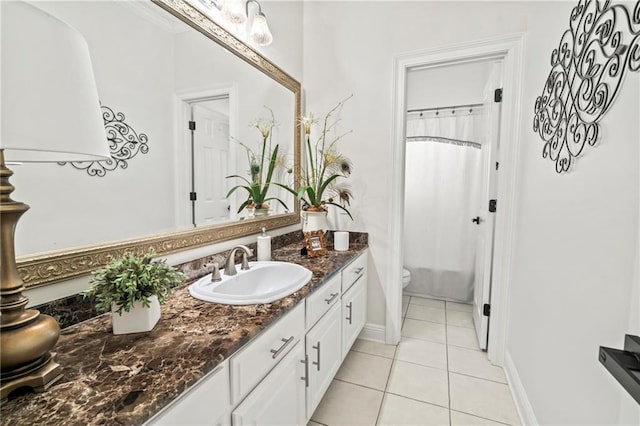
column 126, row 379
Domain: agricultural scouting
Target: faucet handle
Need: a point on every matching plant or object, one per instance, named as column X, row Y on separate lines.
column 215, row 275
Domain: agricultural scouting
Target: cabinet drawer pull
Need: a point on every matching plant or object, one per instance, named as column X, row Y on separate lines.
column 349, row 317
column 276, row 352
column 317, row 348
column 359, row 270
column 332, row 298
column 305, row 361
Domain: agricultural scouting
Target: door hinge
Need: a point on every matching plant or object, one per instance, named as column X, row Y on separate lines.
column 497, row 165
column 486, row 310
column 193, row 196
column 192, row 125
column 497, row 95
column 492, row 205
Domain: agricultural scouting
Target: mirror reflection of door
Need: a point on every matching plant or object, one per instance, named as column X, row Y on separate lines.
column 210, row 161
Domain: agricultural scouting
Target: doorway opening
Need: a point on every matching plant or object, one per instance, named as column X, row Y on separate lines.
column 452, row 142
column 206, row 126
column 506, row 52
column 210, row 146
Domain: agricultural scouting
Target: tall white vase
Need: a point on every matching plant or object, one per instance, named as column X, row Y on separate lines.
column 314, row 221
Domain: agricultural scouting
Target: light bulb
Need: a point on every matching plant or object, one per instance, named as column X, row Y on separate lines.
column 233, row 12
column 260, row 34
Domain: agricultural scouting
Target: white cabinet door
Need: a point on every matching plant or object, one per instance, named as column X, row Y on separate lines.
column 206, row 403
column 354, row 313
column 280, row 398
column 323, row 346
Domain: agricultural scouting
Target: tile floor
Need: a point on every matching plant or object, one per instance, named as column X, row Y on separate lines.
column 436, row 376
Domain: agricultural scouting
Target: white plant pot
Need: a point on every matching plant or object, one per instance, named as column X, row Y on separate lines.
column 314, row 221
column 139, row 318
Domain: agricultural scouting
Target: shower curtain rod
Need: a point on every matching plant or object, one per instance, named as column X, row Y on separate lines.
column 445, row 107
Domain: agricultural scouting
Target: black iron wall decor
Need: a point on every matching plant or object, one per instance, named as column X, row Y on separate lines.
column 124, row 144
column 601, row 45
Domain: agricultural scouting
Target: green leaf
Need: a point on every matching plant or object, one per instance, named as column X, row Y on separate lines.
column 278, row 200
column 339, row 206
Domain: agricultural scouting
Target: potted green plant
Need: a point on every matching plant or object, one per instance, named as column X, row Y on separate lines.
column 318, row 184
column 133, row 288
column 257, row 186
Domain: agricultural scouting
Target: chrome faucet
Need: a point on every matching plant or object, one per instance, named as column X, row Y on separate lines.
column 230, row 262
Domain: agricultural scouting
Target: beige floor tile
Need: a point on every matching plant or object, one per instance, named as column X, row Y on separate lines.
column 366, row 370
column 424, row 330
column 374, row 348
column 349, row 405
column 463, row 419
column 405, row 305
column 462, row 336
column 474, row 363
column 426, row 384
column 462, row 307
column 312, row 423
column 482, row 398
column 397, row 410
column 425, row 313
column 460, row 319
column 431, row 303
column 430, row 354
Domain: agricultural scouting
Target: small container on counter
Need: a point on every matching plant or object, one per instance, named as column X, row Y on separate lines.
column 264, row 246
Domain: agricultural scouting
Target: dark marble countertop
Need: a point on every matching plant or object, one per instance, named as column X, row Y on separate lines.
column 126, row 379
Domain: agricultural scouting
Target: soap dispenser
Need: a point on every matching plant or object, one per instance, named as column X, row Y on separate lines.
column 264, row 246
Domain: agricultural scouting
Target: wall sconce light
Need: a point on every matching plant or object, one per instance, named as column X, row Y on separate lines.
column 260, row 34
column 234, row 15
column 50, row 112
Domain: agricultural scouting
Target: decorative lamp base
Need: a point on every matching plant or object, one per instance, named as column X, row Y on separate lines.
column 26, row 336
column 39, row 380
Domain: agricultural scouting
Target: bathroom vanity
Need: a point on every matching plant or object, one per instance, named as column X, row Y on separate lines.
column 208, row 363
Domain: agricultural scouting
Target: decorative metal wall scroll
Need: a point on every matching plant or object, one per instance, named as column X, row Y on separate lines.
column 594, row 54
column 124, row 144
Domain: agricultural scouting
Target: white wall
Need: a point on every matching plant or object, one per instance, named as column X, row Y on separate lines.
column 576, row 234
column 447, row 86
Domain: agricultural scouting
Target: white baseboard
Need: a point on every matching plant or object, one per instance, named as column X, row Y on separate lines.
column 525, row 410
column 373, row 332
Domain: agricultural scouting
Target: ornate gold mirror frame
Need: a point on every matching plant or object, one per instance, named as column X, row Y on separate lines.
column 49, row 268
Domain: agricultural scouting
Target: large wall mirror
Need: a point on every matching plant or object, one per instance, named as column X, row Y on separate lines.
column 160, row 64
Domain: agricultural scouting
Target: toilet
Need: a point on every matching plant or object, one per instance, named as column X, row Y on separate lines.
column 406, row 277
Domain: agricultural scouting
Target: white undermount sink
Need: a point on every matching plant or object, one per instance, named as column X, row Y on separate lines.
column 263, row 282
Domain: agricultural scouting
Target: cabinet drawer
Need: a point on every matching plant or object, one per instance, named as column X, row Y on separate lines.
column 259, row 356
column 207, row 402
column 322, row 299
column 354, row 271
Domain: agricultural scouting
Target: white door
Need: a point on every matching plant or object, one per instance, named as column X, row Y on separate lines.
column 486, row 219
column 354, row 313
column 323, row 347
column 211, row 159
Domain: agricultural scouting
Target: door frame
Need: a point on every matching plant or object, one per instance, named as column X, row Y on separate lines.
column 510, row 49
column 182, row 153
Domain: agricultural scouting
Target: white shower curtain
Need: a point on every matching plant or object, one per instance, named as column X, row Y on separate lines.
column 443, row 159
